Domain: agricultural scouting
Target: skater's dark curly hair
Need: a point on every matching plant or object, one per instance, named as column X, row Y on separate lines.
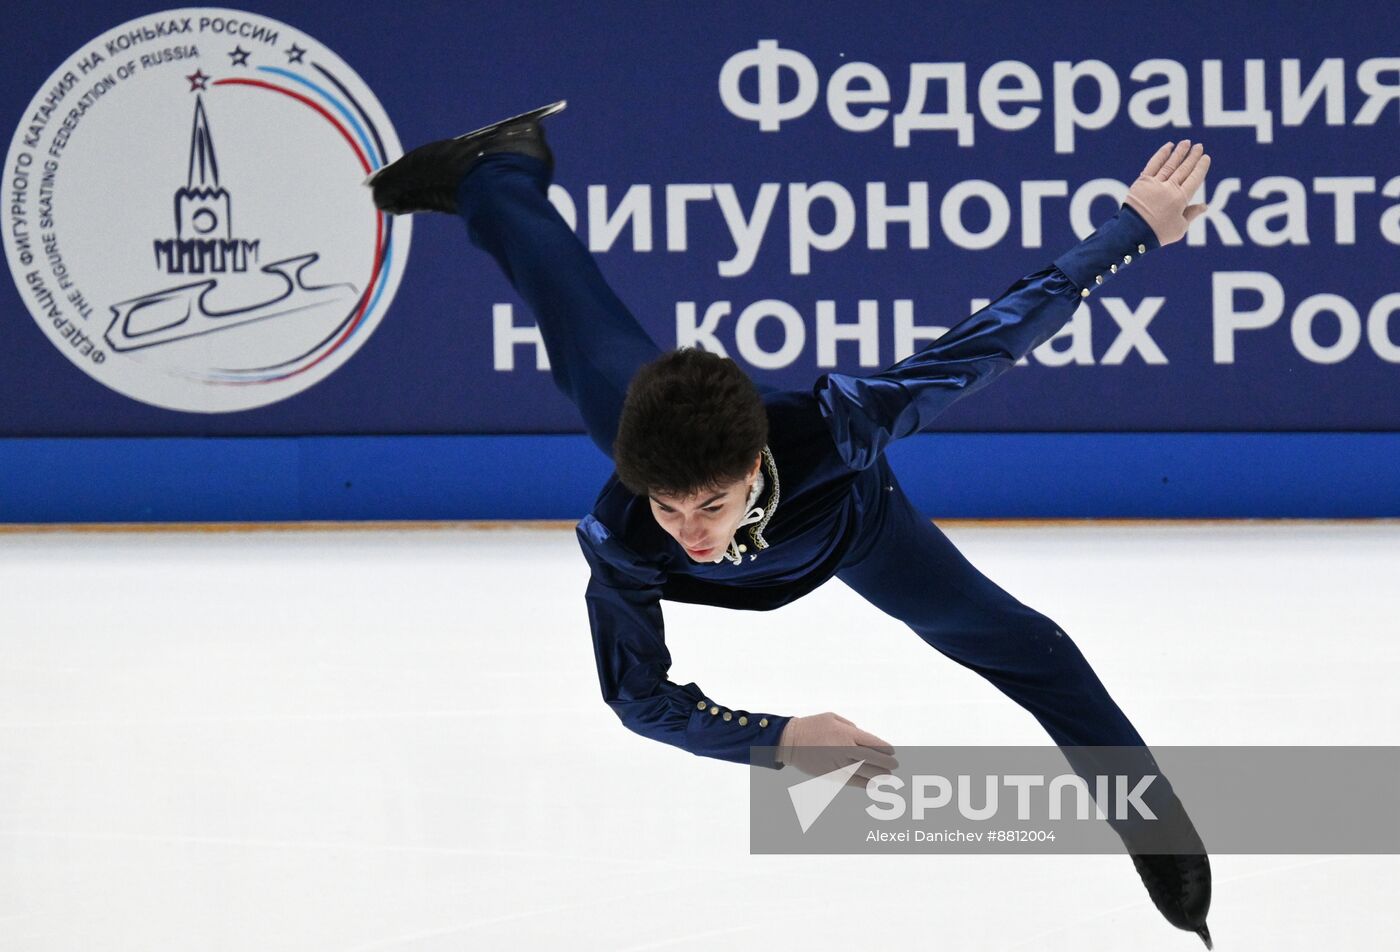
column 692, row 422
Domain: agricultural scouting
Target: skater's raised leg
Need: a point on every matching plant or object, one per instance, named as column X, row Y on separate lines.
column 497, row 180
column 594, row 343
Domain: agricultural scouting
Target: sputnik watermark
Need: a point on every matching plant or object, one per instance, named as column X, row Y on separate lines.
column 1168, row 800
column 929, row 793
column 933, row 792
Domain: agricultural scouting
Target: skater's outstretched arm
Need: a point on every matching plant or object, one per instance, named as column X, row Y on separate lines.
column 624, row 609
column 865, row 413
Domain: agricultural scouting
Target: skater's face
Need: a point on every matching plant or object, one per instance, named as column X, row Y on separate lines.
column 704, row 523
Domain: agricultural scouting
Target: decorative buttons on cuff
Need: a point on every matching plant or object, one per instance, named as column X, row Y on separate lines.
column 1142, row 249
column 1098, row 279
column 1127, row 259
column 743, row 722
column 763, row 722
column 1084, row 292
column 1113, row 269
column 700, row 706
column 714, row 710
column 727, row 715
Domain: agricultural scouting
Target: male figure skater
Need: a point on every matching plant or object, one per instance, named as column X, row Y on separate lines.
column 727, row 496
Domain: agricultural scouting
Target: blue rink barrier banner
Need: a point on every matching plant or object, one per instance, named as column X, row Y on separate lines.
column 948, row 475
column 805, row 187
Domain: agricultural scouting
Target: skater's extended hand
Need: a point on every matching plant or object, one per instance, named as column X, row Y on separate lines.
column 822, row 743
column 1166, row 184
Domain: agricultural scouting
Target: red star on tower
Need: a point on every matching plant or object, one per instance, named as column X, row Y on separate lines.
column 198, row 80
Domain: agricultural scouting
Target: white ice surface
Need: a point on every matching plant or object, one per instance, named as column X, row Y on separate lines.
column 394, row 740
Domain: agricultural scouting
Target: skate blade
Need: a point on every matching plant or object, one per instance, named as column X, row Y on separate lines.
column 533, row 114
column 1204, row 933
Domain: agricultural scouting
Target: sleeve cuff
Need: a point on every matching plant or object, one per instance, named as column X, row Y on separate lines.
column 1116, row 243
column 767, row 754
column 745, row 737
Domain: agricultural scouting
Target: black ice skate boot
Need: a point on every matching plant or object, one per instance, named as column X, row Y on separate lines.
column 425, row 180
column 1180, row 888
column 1177, row 870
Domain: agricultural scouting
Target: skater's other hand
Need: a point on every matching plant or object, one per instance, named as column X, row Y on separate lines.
column 821, row 743
column 1166, row 184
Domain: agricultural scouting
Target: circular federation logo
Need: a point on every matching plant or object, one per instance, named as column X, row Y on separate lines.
column 186, row 217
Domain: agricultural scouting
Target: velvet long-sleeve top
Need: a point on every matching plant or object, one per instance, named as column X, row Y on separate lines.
column 823, row 470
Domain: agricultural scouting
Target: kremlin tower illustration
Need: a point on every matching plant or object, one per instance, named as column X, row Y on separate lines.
column 203, row 241
column 205, row 254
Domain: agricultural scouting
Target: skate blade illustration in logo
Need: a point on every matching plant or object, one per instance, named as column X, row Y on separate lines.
column 264, row 271
column 179, row 313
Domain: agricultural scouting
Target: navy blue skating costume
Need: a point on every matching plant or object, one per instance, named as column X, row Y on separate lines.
column 829, row 505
